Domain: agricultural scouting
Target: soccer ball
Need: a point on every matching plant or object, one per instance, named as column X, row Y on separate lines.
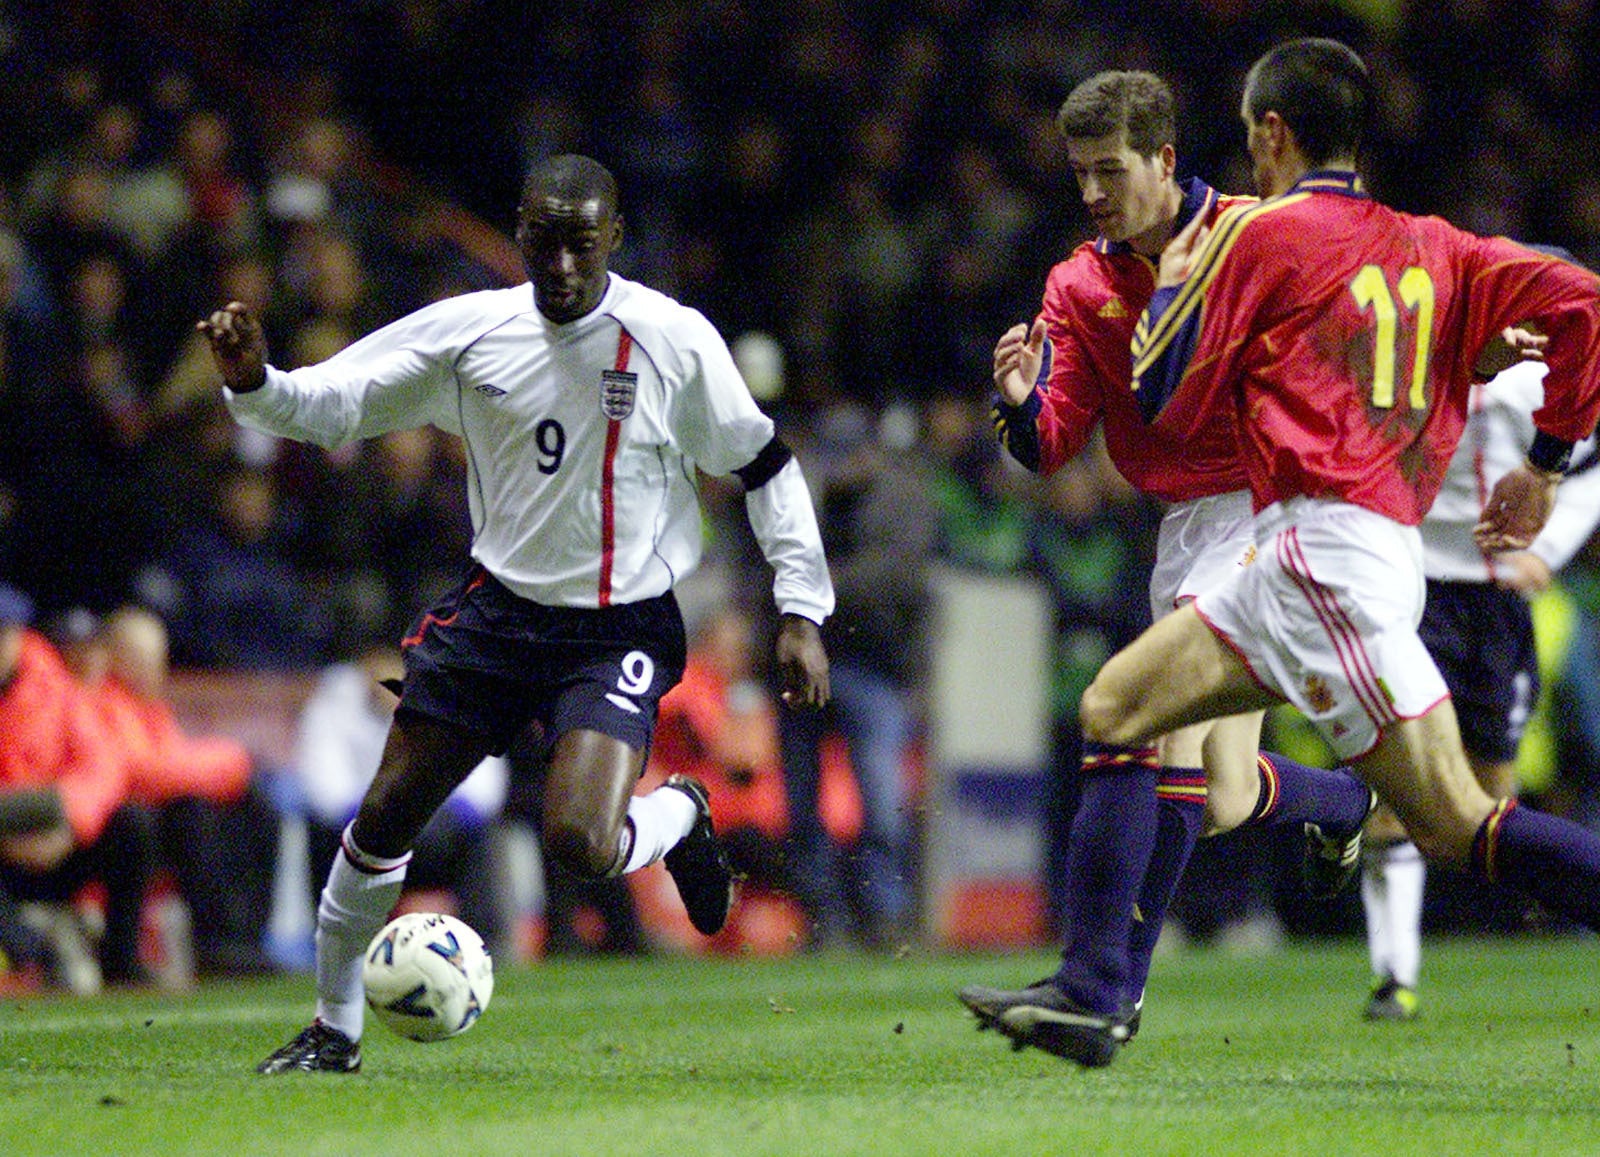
column 428, row 976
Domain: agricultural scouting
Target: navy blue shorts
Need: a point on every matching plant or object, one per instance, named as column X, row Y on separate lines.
column 1481, row 636
column 492, row 662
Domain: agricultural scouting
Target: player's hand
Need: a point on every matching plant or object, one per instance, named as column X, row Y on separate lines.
column 238, row 346
column 1177, row 259
column 1522, row 571
column 1517, row 510
column 802, row 663
column 1017, row 357
column 1511, row 345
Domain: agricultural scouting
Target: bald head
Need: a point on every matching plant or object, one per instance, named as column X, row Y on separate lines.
column 573, row 178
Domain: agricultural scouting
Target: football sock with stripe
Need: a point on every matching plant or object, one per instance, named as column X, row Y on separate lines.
column 360, row 893
column 1180, row 814
column 1554, row 860
column 1292, row 793
column 1392, row 881
column 658, row 821
column 1108, row 852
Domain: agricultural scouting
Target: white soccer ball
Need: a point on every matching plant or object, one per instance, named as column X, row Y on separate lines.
column 428, row 976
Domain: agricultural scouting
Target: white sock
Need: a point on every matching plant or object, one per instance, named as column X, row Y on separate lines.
column 360, row 893
column 1406, row 873
column 659, row 821
column 1392, row 882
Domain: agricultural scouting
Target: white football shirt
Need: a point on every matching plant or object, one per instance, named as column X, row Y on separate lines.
column 582, row 438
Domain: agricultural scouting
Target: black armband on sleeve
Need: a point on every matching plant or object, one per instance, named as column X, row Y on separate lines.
column 1549, row 453
column 764, row 467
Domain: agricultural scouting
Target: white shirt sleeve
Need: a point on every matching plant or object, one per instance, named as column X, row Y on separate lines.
column 721, row 428
column 717, row 422
column 395, row 378
column 785, row 524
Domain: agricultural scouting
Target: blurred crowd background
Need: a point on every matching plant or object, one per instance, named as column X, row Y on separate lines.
column 861, row 197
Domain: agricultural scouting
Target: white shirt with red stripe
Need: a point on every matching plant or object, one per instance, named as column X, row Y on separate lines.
column 1498, row 433
column 582, row 438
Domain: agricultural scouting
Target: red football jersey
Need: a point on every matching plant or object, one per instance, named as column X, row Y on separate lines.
column 1091, row 302
column 1342, row 334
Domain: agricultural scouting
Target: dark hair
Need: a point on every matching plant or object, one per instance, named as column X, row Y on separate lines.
column 1139, row 102
column 1321, row 90
column 572, row 178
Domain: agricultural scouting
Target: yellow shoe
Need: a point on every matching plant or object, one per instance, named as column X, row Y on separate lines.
column 1392, row 1000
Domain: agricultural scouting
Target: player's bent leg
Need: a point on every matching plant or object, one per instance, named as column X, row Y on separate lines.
column 588, row 786
column 423, row 761
column 1393, row 876
column 1497, row 777
column 1176, row 674
column 596, row 826
column 1228, row 751
column 1419, row 768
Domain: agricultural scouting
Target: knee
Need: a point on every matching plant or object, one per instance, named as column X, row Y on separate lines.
column 1226, row 808
column 1101, row 715
column 583, row 849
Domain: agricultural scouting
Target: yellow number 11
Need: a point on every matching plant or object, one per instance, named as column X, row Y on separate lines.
column 1370, row 288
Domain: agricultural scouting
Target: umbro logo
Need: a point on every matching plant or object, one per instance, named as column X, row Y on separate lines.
column 489, row 391
column 1113, row 309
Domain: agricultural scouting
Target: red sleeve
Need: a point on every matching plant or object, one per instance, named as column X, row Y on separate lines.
column 92, row 776
column 213, row 768
column 1071, row 395
column 1511, row 285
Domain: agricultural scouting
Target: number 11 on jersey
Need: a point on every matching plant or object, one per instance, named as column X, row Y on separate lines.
column 1370, row 288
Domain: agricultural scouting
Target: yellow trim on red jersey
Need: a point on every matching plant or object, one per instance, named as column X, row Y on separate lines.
column 1148, row 344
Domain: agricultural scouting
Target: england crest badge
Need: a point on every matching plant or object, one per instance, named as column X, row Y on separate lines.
column 617, row 390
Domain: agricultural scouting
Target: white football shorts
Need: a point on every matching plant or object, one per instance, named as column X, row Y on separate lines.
column 1327, row 619
column 1200, row 545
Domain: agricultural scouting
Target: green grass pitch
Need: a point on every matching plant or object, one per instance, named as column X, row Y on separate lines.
column 841, row 1054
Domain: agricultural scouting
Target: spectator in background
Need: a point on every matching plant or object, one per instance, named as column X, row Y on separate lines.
column 342, row 730
column 64, row 814
column 397, row 523
column 982, row 504
column 879, row 529
column 229, row 586
column 216, row 829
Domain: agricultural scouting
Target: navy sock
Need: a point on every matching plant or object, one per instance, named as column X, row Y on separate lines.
column 1292, row 793
column 1180, row 812
column 1108, row 852
column 1555, row 861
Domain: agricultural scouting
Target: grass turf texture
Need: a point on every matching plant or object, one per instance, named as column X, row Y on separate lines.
column 841, row 1054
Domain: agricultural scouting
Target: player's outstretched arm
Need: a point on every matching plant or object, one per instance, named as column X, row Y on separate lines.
column 802, row 663
column 238, row 345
